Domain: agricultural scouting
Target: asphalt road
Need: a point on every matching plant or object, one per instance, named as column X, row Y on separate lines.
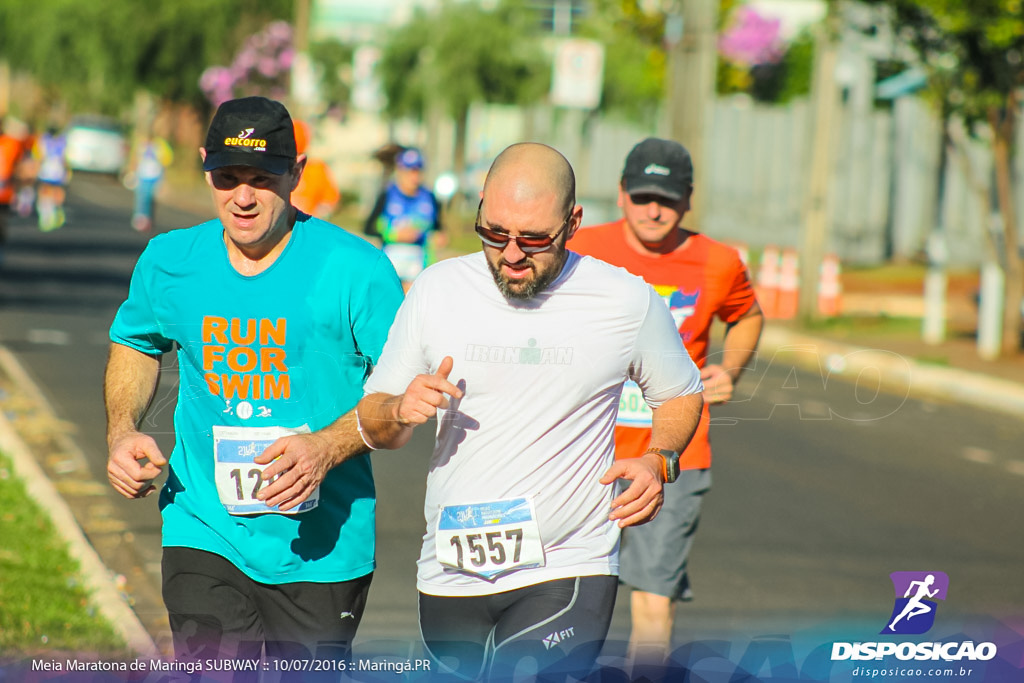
column 822, row 488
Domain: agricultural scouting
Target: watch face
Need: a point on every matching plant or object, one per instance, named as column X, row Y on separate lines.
column 671, row 464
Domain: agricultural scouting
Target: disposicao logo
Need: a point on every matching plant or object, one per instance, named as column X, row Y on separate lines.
column 912, row 614
column 916, row 592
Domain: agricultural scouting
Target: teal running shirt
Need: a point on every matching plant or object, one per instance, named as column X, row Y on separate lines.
column 287, row 349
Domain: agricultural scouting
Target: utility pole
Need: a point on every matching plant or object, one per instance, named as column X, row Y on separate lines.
column 691, row 30
column 824, row 95
column 302, row 66
column 300, row 36
column 5, row 87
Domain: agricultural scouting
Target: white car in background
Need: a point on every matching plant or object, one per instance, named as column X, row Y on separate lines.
column 97, row 144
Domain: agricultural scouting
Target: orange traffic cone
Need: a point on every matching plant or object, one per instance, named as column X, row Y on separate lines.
column 789, row 286
column 830, row 290
column 767, row 288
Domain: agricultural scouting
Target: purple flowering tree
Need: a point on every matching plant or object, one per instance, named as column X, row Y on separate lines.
column 261, row 67
column 752, row 39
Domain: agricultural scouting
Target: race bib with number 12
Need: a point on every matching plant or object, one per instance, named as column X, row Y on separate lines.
column 238, row 478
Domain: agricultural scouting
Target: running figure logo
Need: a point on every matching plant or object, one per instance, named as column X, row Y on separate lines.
column 914, row 612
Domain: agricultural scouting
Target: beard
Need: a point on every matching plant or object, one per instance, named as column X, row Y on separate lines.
column 524, row 289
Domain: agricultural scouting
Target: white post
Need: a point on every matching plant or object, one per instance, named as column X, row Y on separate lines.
column 990, row 311
column 933, row 328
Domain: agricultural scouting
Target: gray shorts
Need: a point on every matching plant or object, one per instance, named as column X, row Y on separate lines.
column 653, row 556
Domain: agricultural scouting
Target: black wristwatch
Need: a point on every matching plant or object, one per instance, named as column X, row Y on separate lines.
column 671, row 463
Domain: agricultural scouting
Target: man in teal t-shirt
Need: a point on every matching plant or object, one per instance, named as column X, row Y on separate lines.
column 277, row 319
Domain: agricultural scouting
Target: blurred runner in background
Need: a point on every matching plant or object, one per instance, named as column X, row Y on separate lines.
column 404, row 217
column 52, row 179
column 11, row 151
column 317, row 193
column 153, row 155
column 25, row 174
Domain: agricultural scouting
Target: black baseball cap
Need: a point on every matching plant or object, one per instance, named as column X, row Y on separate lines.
column 657, row 166
column 251, row 131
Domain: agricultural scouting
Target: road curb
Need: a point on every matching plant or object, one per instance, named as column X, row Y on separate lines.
column 899, row 372
column 98, row 579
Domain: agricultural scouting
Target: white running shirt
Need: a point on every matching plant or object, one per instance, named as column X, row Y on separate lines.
column 541, row 381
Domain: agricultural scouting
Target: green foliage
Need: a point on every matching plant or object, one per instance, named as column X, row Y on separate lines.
column 96, row 55
column 43, row 605
column 460, row 54
column 335, row 61
column 732, row 78
column 635, row 59
column 973, row 52
column 402, row 68
column 797, row 70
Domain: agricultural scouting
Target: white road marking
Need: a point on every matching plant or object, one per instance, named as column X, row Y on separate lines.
column 979, row 455
column 1015, row 467
column 44, row 336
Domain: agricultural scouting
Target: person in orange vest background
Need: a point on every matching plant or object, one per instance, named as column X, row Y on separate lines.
column 11, row 151
column 316, row 194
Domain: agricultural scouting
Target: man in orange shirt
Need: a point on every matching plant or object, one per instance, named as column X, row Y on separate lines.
column 699, row 279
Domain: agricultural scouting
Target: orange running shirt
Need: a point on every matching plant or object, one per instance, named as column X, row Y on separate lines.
column 699, row 281
column 11, row 150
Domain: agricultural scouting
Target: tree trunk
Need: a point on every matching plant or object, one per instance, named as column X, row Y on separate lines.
column 690, row 83
column 461, row 131
column 816, row 202
column 1004, row 128
column 457, row 206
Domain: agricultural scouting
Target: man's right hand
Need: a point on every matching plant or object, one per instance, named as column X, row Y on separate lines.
column 427, row 393
column 127, row 473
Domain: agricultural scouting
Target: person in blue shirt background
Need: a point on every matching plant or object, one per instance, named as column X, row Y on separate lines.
column 52, row 179
column 405, row 217
column 154, row 155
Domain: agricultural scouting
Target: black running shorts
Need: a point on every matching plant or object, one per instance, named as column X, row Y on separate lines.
column 218, row 612
column 543, row 632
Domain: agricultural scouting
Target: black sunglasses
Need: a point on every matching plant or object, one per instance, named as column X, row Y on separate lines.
column 528, row 244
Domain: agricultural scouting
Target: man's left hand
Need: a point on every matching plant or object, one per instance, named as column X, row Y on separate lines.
column 300, row 463
column 641, row 502
column 718, row 384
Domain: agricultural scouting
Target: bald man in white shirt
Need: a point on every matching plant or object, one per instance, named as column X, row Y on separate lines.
column 521, row 352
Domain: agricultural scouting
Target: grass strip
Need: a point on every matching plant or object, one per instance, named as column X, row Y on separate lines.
column 43, row 604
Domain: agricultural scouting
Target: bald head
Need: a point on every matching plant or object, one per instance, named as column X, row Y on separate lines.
column 527, row 171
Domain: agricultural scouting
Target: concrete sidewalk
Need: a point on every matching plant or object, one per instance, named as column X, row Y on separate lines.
column 896, row 369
